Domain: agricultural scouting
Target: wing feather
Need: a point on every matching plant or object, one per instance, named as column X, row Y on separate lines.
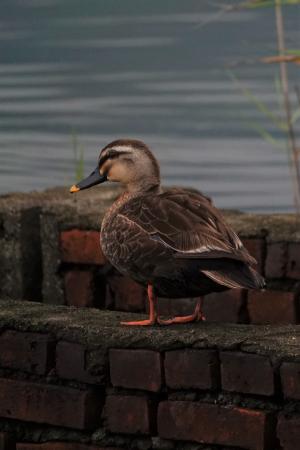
column 187, row 223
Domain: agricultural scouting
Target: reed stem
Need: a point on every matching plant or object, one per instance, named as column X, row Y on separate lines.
column 287, row 105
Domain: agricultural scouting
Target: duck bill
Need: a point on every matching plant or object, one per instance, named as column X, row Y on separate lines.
column 94, row 178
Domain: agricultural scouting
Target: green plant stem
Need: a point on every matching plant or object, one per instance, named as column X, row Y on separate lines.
column 287, row 105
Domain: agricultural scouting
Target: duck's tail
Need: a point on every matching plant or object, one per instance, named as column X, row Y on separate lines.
column 235, row 274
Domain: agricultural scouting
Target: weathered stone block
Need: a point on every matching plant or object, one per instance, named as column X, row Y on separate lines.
column 129, row 414
column 214, row 424
column 55, row 405
column 270, row 306
column 191, row 369
column 247, row 373
column 136, row 369
column 29, row 352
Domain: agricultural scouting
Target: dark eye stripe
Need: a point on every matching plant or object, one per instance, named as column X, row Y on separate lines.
column 112, row 154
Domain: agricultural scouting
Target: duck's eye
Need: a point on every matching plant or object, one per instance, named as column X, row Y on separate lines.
column 112, row 154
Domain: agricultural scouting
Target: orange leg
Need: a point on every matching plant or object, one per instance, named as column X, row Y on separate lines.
column 197, row 316
column 152, row 311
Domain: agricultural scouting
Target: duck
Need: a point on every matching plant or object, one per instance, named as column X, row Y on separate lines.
column 175, row 242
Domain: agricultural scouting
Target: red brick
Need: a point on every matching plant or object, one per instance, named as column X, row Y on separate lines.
column 290, row 380
column 30, row 352
column 60, row 446
column 82, row 247
column 293, row 267
column 124, row 294
column 275, row 307
column 54, row 405
column 71, row 363
column 79, row 288
column 129, row 414
column 7, row 442
column 256, row 248
column 288, row 432
column 213, row 424
column 191, row 369
column 135, row 369
column 276, row 260
column 246, row 373
column 227, row 306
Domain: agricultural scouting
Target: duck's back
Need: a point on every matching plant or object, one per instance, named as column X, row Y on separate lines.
column 178, row 241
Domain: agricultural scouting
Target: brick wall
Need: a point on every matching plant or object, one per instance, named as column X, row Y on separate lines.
column 71, row 378
column 50, row 252
column 75, row 379
column 86, row 279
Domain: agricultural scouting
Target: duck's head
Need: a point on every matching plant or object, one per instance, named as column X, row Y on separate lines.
column 127, row 161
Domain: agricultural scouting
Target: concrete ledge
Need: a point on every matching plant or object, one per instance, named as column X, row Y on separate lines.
column 77, row 377
column 97, row 328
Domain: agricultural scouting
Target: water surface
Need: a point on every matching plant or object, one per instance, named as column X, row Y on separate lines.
column 156, row 71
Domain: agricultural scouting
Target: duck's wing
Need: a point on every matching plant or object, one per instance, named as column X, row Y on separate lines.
column 188, row 223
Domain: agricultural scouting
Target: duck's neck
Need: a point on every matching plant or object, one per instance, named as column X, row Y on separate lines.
column 143, row 186
column 128, row 194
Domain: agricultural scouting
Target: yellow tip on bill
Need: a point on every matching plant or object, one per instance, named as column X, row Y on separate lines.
column 74, row 188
